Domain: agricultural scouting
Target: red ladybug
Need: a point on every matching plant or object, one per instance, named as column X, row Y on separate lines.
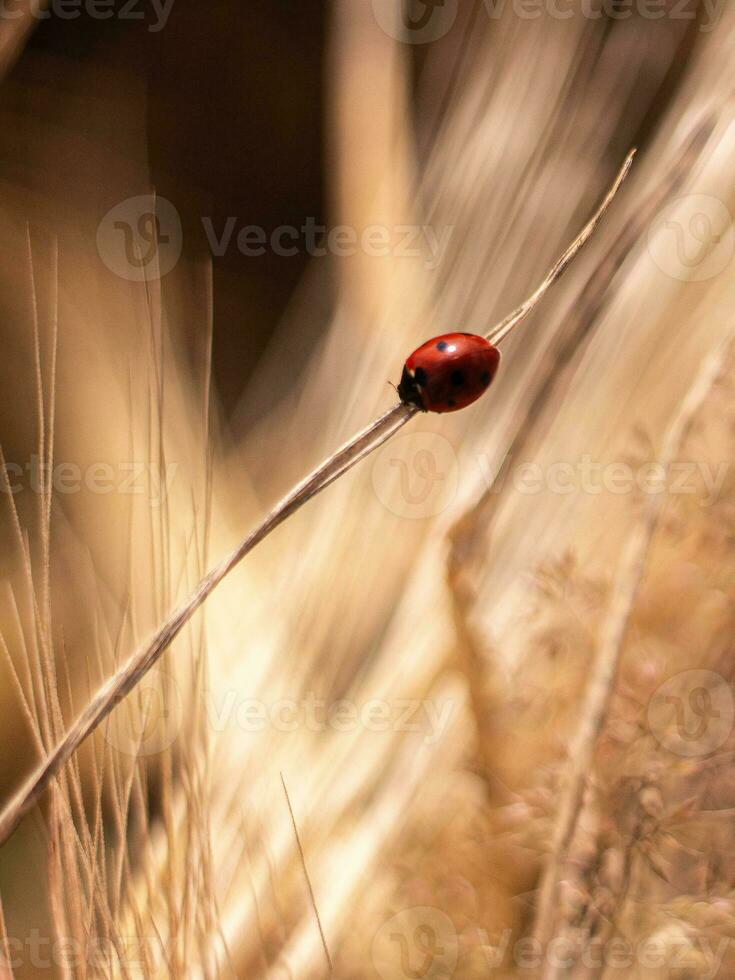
column 448, row 372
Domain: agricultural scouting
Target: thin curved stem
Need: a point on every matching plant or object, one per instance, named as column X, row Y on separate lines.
column 124, row 681
column 117, row 687
column 501, row 330
column 610, row 648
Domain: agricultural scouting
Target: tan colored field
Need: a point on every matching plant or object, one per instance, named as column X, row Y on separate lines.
column 492, row 665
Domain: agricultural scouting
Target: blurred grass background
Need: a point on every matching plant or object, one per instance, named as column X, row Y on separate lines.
column 168, row 849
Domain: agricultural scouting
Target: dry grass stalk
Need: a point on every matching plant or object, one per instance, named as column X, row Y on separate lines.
column 468, row 547
column 360, row 446
column 468, row 538
column 90, row 870
column 599, row 692
column 503, row 329
column 302, row 858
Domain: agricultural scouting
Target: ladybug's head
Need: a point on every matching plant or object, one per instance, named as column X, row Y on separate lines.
column 409, row 390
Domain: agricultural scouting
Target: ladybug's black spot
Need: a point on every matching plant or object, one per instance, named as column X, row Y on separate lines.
column 451, row 403
column 457, row 378
column 485, row 379
column 420, row 376
column 442, row 345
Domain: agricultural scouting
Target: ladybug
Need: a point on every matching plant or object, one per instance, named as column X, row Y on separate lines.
column 448, row 372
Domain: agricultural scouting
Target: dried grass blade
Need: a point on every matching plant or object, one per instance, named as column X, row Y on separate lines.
column 599, row 692
column 117, row 687
column 502, row 329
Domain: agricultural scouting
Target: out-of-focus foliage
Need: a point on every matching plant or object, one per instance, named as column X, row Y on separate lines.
column 412, row 651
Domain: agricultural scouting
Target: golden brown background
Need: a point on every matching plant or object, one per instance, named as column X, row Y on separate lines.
column 167, row 848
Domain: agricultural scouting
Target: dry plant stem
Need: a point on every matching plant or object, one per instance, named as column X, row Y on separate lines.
column 599, row 692
column 501, row 331
column 467, row 546
column 469, row 537
column 302, row 856
column 121, row 683
column 129, row 675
